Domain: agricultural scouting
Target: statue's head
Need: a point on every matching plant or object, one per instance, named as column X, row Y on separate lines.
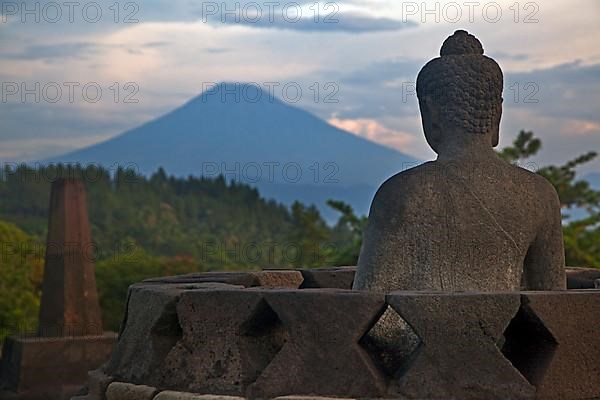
column 460, row 94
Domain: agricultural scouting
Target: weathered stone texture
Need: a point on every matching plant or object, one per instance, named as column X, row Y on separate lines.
column 128, row 391
column 468, row 220
column 310, row 398
column 330, row 277
column 171, row 395
column 279, row 279
column 224, row 340
column 228, row 337
column 95, row 387
column 69, row 304
column 582, row 278
column 150, row 330
column 458, row 357
column 268, row 278
column 572, row 369
column 322, row 355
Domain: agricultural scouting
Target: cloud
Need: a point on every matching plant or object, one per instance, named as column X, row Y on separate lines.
column 156, row 44
column 343, row 22
column 583, row 128
column 217, row 50
column 54, row 51
column 378, row 90
column 173, row 53
column 567, row 90
column 501, row 55
column 375, row 131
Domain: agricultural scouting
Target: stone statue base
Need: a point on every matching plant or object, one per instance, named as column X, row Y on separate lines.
column 264, row 335
column 35, row 368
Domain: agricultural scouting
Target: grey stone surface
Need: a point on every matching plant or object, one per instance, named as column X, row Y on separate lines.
column 569, row 366
column 310, row 398
column 279, row 279
column 171, row 395
column 328, row 277
column 468, row 220
column 95, row 388
column 391, row 341
column 219, row 340
column 459, row 357
column 228, row 337
column 267, row 278
column 322, row 355
column 151, row 329
column 233, row 278
column 128, row 391
column 582, row 278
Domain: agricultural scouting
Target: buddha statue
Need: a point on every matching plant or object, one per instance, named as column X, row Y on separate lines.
column 467, row 221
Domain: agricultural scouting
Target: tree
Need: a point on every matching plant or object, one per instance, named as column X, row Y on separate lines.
column 347, row 234
column 115, row 274
column 581, row 236
column 308, row 244
column 21, row 262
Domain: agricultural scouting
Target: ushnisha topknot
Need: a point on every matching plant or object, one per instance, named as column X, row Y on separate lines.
column 461, row 43
column 463, row 84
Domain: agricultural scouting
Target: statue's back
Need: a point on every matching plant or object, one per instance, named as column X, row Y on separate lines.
column 468, row 220
column 451, row 227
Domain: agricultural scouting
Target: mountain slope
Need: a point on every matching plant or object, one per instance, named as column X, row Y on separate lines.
column 285, row 151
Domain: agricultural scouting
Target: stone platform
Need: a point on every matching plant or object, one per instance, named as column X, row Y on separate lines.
column 32, row 366
column 246, row 336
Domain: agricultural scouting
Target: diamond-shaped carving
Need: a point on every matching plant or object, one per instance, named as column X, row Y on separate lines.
column 391, row 342
column 573, row 319
column 222, row 331
column 322, row 356
column 262, row 337
column 165, row 332
column 459, row 357
column 528, row 345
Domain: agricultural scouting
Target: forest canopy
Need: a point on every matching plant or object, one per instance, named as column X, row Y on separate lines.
column 164, row 225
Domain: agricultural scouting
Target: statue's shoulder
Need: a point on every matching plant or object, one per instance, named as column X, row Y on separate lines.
column 535, row 183
column 412, row 182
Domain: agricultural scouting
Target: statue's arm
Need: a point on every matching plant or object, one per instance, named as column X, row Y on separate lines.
column 378, row 238
column 371, row 253
column 544, row 267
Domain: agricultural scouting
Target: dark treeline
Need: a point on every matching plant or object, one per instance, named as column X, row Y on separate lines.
column 163, row 225
column 217, row 224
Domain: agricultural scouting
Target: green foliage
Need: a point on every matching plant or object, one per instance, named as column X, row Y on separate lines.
column 582, row 236
column 160, row 225
column 348, row 234
column 573, row 192
column 206, row 219
column 20, row 275
column 308, row 244
column 114, row 275
column 525, row 145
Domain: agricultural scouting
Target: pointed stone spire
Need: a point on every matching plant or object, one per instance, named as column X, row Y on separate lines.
column 69, row 305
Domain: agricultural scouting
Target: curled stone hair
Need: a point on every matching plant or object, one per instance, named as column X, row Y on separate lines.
column 465, row 84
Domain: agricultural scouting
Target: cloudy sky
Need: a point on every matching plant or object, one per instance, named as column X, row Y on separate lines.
column 355, row 62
